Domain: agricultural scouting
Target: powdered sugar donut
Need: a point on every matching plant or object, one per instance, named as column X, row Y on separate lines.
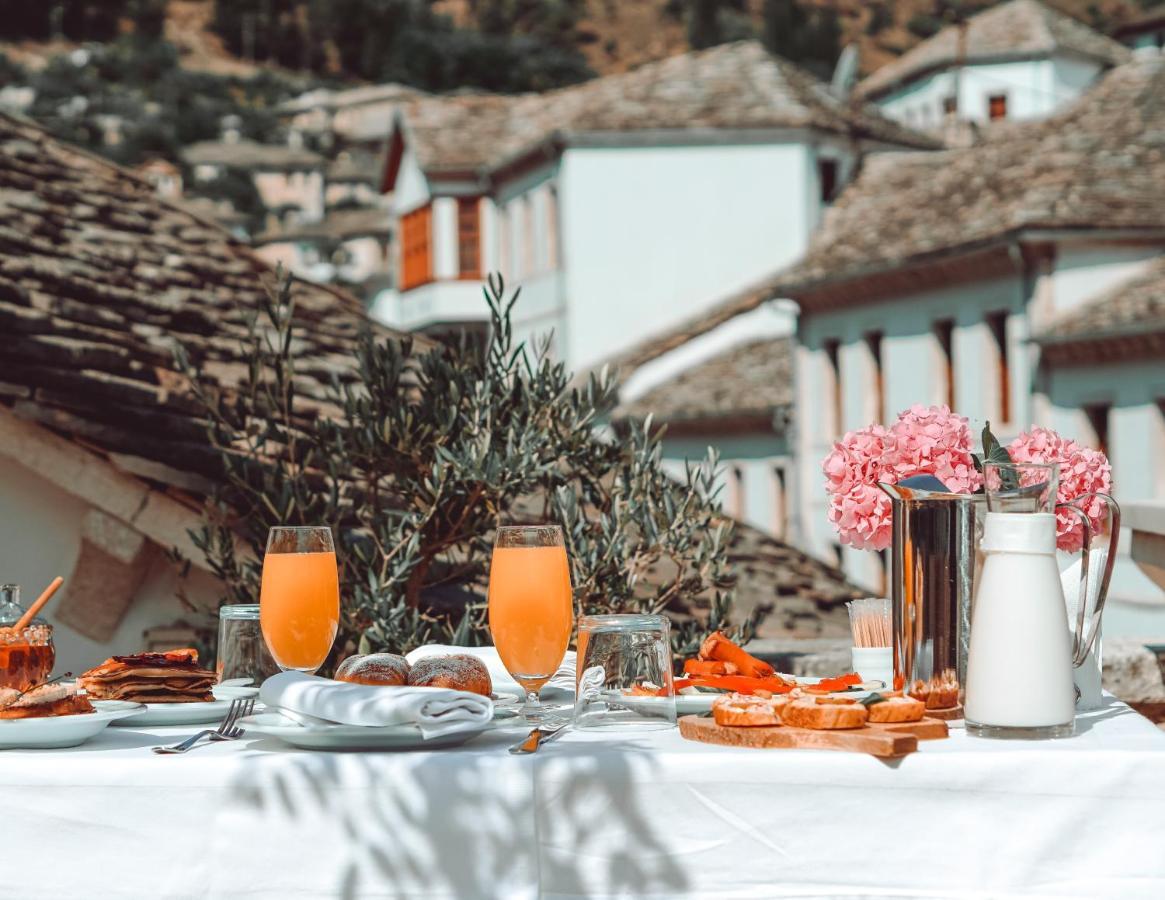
column 461, row 672
column 375, row 668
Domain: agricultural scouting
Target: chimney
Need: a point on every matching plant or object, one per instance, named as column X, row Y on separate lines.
column 231, row 129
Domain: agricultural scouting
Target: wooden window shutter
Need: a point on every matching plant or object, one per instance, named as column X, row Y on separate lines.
column 416, row 248
column 469, row 237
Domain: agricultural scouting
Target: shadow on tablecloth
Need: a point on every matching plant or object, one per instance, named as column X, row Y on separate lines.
column 460, row 823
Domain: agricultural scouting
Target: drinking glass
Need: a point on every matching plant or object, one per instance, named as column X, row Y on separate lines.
column 1021, row 487
column 242, row 652
column 530, row 607
column 625, row 673
column 299, row 601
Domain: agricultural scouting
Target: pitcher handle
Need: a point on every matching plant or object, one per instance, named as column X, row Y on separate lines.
column 1114, row 516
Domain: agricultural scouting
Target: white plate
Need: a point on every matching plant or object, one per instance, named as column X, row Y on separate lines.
column 349, row 737
column 64, row 731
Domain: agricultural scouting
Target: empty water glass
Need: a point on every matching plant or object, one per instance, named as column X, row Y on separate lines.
column 242, row 652
column 624, row 673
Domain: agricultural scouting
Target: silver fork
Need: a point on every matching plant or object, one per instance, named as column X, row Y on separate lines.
column 227, row 731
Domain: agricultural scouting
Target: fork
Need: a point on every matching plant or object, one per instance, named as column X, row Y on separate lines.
column 227, row 731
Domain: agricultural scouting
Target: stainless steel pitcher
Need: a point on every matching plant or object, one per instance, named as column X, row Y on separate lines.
column 933, row 565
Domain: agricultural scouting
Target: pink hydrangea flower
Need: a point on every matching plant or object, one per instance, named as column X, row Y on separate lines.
column 859, row 510
column 1082, row 471
column 926, row 440
column 931, row 440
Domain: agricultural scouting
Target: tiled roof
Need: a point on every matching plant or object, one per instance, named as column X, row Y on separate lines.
column 738, row 87
column 98, row 280
column 1099, row 164
column 323, row 98
column 749, row 380
column 1022, row 29
column 358, row 165
column 1133, row 307
column 245, row 154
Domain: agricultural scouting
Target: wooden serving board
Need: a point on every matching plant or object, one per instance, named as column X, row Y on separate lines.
column 878, row 740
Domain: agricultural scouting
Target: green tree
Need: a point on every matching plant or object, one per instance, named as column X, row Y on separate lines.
column 809, row 37
column 424, row 455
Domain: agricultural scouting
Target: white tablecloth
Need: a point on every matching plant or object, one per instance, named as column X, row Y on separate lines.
column 588, row 816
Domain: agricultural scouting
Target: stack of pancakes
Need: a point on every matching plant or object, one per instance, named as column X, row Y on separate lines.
column 170, row 677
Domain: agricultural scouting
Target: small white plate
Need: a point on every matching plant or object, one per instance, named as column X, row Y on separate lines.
column 350, row 737
column 65, row 731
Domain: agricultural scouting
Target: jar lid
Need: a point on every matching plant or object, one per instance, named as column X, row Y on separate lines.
column 10, row 608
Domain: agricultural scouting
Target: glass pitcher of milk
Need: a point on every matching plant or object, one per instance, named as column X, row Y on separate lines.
column 1019, row 667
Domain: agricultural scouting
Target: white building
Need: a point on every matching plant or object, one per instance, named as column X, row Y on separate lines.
column 936, row 276
column 1018, row 60
column 621, row 205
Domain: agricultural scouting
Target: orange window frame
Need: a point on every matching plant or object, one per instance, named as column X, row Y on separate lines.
column 416, row 243
column 469, row 238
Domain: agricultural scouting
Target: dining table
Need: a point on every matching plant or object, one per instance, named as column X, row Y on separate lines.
column 640, row 814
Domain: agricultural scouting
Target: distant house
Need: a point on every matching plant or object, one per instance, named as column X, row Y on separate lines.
column 165, row 177
column 359, row 116
column 738, row 400
column 1018, row 60
column 624, row 204
column 290, row 180
column 351, row 246
column 1145, row 31
column 964, row 277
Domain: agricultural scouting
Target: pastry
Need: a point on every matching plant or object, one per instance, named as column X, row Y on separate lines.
column 825, row 713
column 896, row 709
column 461, row 672
column 170, row 677
column 941, row 692
column 375, row 668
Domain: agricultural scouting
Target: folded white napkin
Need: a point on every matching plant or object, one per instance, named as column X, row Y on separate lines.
column 436, row 711
column 559, row 687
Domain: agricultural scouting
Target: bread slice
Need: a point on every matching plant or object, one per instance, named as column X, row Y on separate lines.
column 824, row 713
column 896, row 709
column 747, row 711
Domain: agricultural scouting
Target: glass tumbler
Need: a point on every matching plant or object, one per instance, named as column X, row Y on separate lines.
column 624, row 673
column 242, row 652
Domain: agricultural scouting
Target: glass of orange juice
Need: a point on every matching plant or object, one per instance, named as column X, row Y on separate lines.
column 531, row 608
column 299, row 601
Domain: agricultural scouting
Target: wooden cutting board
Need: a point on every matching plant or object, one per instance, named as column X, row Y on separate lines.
column 878, row 740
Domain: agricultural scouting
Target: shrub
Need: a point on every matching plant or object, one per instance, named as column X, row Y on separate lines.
column 423, row 454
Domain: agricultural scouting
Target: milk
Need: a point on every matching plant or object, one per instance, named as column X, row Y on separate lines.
column 1019, row 669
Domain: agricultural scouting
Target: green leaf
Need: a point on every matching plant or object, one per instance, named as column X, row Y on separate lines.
column 872, row 699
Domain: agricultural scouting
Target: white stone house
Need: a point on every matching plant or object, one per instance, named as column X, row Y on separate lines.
column 936, row 276
column 1018, row 60
column 621, row 205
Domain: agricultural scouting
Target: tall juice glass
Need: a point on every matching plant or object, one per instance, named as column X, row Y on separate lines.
column 530, row 606
column 299, row 602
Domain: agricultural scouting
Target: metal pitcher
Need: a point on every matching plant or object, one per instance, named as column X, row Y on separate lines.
column 933, row 565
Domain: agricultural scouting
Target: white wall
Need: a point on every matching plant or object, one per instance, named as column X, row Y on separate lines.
column 40, row 538
column 1081, row 272
column 1034, row 89
column 652, row 236
column 412, row 188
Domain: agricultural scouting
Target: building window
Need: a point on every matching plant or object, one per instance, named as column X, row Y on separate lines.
column 736, row 493
column 780, row 503
column 505, row 263
column 832, row 348
column 877, row 382
column 944, row 332
column 997, row 324
column 827, row 175
column 1098, row 416
column 997, row 107
column 529, row 263
column 416, row 238
column 552, row 254
column 469, row 238
column 950, row 105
